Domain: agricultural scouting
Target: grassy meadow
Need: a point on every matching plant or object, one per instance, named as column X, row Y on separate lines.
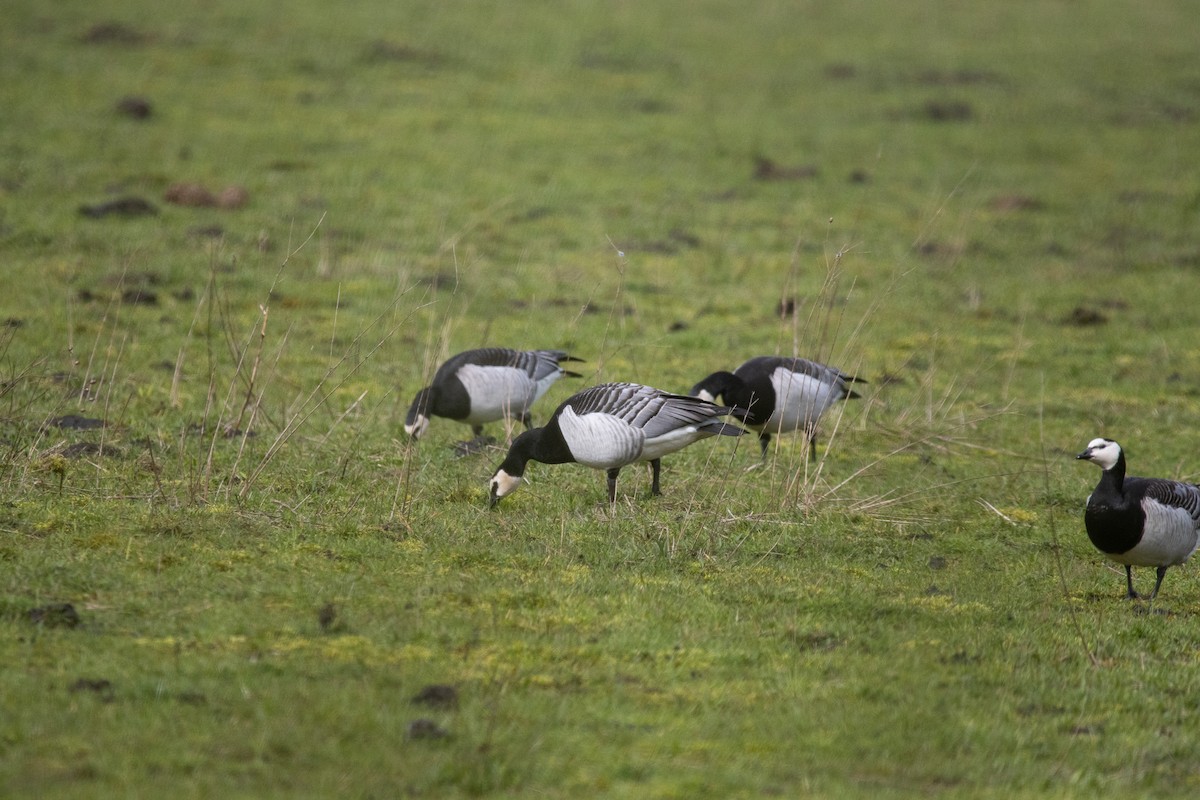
column 237, row 239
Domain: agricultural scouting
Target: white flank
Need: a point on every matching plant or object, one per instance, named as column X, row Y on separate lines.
column 1169, row 538
column 600, row 440
column 671, row 441
column 496, row 392
column 800, row 400
column 545, row 383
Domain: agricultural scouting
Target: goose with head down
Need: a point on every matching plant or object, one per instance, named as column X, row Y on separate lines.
column 480, row 386
column 779, row 395
column 610, row 426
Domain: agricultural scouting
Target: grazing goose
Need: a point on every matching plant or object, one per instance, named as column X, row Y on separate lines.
column 611, row 425
column 779, row 395
column 486, row 385
column 1139, row 522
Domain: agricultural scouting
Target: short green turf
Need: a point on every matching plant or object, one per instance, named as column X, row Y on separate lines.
column 991, row 212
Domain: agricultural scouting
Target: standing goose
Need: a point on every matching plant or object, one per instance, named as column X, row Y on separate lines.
column 1139, row 522
column 611, row 425
column 779, row 395
column 478, row 386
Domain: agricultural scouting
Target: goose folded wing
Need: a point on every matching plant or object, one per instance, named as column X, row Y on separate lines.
column 487, row 357
column 617, row 399
column 1184, row 496
column 821, row 372
column 672, row 412
column 543, row 363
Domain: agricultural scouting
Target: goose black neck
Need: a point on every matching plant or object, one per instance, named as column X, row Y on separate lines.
column 1114, row 476
column 540, row 444
column 421, row 404
column 717, row 384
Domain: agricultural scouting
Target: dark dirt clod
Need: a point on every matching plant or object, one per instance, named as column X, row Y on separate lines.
column 437, row 695
column 947, row 111
column 120, row 207
column 81, row 449
column 140, row 297
column 75, row 422
column 937, row 562
column 14, row 323
column 1006, row 203
column 135, row 107
column 99, row 686
column 327, row 616
column 840, row 71
column 425, row 729
column 766, row 169
column 55, row 615
column 382, row 51
column 233, row 196
column 113, row 33
column 1083, row 316
column 191, row 195
column 786, row 308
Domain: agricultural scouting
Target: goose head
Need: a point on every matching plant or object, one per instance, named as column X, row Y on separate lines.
column 502, row 485
column 1104, row 453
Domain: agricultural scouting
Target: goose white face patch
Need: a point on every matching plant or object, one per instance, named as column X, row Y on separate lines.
column 703, row 394
column 417, row 429
column 503, row 485
column 1102, row 452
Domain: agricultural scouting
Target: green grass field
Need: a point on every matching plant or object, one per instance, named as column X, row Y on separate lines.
column 990, row 211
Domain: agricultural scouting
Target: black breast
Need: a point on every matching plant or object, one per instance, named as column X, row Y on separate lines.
column 1114, row 524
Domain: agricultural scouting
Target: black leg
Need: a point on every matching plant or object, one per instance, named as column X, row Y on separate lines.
column 1161, row 573
column 764, row 441
column 527, row 420
column 655, row 470
column 1131, row 594
column 612, row 485
column 477, row 431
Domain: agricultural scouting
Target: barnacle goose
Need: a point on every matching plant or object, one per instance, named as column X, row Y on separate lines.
column 779, row 395
column 478, row 386
column 611, row 425
column 1139, row 522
